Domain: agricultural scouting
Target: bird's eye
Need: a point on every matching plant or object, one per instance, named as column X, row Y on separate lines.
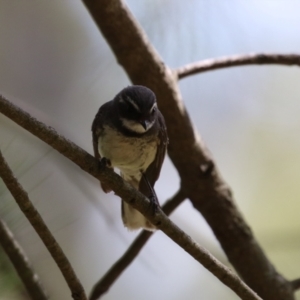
column 153, row 110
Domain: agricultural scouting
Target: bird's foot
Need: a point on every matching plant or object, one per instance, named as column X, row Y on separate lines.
column 105, row 162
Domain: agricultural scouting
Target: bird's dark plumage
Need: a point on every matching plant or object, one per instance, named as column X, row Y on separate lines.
column 130, row 132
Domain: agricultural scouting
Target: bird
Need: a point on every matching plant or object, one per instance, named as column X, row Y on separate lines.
column 129, row 133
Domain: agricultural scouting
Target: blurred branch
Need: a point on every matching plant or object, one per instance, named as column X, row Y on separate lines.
column 42, row 230
column 123, row 262
column 200, row 178
column 237, row 60
column 295, row 284
column 103, row 285
column 127, row 193
column 21, row 263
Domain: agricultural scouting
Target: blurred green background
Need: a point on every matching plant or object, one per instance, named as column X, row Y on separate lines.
column 56, row 65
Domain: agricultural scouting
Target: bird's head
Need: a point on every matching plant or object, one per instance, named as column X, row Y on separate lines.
column 137, row 108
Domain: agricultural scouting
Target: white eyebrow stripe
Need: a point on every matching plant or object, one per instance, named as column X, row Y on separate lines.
column 133, row 103
column 121, row 100
column 153, row 106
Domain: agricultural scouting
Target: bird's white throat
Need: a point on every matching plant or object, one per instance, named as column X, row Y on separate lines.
column 135, row 126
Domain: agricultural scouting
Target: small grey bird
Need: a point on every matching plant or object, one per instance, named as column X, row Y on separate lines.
column 129, row 133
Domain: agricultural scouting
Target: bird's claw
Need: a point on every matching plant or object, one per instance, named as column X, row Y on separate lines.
column 105, row 162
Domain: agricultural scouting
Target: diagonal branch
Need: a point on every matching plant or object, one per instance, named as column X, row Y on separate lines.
column 21, row 263
column 42, row 230
column 237, row 60
column 125, row 191
column 124, row 261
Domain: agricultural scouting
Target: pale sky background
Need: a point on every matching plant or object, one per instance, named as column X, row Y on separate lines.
column 55, row 64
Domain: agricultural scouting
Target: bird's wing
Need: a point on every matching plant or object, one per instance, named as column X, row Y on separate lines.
column 153, row 171
column 97, row 126
column 96, row 129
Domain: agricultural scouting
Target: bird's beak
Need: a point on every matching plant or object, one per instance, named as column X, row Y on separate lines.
column 145, row 124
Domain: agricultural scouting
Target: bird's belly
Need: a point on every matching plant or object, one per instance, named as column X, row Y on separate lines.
column 129, row 154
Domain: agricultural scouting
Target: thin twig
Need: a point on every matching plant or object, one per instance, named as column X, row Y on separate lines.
column 295, row 284
column 42, row 230
column 125, row 191
column 21, row 263
column 237, row 60
column 127, row 258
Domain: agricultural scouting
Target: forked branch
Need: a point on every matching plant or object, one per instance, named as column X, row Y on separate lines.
column 199, row 175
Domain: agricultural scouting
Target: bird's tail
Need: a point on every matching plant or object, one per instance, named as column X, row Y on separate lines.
column 131, row 217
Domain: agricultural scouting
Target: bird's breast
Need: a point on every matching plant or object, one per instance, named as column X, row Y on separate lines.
column 129, row 154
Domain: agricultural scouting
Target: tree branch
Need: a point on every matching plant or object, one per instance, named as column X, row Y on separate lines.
column 237, row 60
column 42, row 230
column 128, row 194
column 200, row 178
column 124, row 261
column 21, row 263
